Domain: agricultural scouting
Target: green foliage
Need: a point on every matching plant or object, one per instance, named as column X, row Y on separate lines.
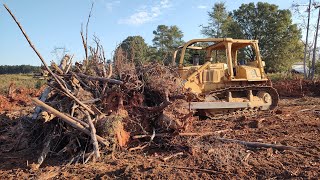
column 279, row 38
column 135, row 49
column 166, row 40
column 24, row 69
column 219, row 21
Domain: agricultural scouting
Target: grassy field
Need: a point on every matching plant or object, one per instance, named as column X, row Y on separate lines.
column 20, row 80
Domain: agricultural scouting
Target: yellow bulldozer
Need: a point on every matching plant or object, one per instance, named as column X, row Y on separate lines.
column 225, row 76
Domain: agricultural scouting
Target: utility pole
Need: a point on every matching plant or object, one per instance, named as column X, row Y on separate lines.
column 306, row 44
column 307, row 37
column 315, row 44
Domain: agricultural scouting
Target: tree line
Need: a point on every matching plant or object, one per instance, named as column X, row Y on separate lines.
column 16, row 69
column 279, row 38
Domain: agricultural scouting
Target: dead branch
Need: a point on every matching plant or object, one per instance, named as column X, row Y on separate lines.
column 79, row 121
column 45, row 64
column 87, row 25
column 32, row 46
column 93, row 136
column 204, row 133
column 44, row 153
column 172, row 156
column 26, row 36
column 113, row 81
column 56, row 68
column 156, row 108
column 259, row 145
column 69, row 65
column 110, row 70
column 139, row 147
column 181, row 134
column 84, row 44
column 149, row 135
column 43, row 97
column 193, row 169
column 68, row 120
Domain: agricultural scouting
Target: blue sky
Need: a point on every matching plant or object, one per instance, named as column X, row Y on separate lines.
column 57, row 23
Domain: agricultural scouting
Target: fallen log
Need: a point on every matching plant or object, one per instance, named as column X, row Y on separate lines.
column 68, row 120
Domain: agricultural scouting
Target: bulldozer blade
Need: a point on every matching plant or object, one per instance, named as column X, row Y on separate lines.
column 216, row 105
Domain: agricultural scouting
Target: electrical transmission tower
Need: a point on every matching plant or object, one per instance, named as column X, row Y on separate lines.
column 59, row 53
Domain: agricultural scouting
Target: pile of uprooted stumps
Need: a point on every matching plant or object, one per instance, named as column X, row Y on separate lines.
column 95, row 106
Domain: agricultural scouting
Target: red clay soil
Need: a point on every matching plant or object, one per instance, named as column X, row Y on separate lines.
column 295, row 123
column 18, row 98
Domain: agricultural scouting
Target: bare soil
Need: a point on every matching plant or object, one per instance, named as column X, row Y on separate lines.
column 295, row 123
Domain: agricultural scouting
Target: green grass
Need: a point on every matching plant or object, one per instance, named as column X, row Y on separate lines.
column 20, row 80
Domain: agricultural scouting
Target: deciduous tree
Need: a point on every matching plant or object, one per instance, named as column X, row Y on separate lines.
column 279, row 38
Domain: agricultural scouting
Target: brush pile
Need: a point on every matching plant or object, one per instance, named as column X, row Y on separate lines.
column 95, row 107
column 297, row 87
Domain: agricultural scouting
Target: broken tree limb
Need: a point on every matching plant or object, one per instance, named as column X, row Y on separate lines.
column 44, row 153
column 32, row 46
column 161, row 107
column 43, row 97
column 68, row 94
column 172, row 156
column 182, row 134
column 204, row 133
column 68, row 120
column 149, row 135
column 110, row 70
column 259, row 145
column 103, row 79
column 93, row 136
column 192, row 168
column 45, row 64
column 79, row 121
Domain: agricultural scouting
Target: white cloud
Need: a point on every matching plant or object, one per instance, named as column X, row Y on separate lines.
column 202, row 7
column 146, row 14
column 108, row 4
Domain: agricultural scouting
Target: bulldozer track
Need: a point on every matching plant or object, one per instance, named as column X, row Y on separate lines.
column 251, row 112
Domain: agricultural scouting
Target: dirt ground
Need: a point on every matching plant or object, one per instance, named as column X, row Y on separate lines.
column 296, row 123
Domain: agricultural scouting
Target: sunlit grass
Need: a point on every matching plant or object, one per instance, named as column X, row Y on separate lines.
column 20, row 80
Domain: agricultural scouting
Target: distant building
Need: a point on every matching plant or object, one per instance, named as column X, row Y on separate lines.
column 298, row 68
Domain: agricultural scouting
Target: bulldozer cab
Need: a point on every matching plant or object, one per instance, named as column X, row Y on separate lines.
column 220, row 60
